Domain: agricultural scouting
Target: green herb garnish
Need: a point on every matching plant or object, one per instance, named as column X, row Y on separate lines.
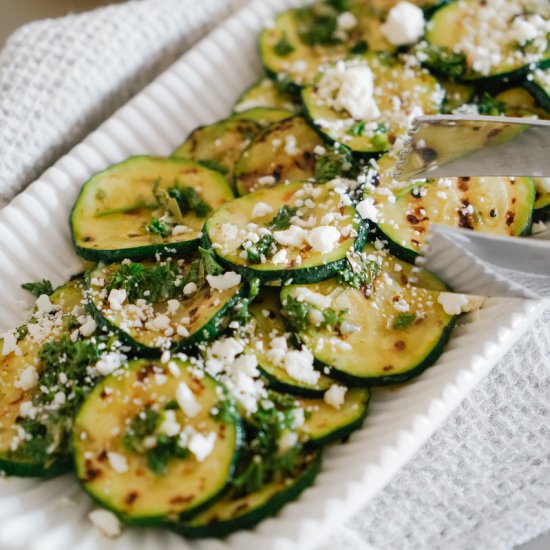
column 359, row 272
column 443, row 60
column 189, row 200
column 283, row 217
column 211, row 265
column 404, row 320
column 158, row 227
column 263, row 247
column 214, row 165
column 283, row 46
column 299, row 314
column 488, row 105
column 37, row 289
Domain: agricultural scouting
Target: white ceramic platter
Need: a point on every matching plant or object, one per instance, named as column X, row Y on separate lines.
column 35, row 243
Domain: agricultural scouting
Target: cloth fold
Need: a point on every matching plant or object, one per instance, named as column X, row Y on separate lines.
column 483, row 480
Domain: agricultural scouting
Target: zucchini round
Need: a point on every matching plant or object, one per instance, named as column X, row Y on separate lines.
column 456, row 94
column 263, row 116
column 265, row 93
column 495, row 205
column 542, row 205
column 283, row 151
column 149, row 327
column 234, row 512
column 233, row 233
column 520, row 102
column 412, row 88
column 302, row 40
column 268, row 326
column 129, row 454
column 398, row 330
column 46, row 423
column 219, row 145
column 478, row 41
column 114, row 215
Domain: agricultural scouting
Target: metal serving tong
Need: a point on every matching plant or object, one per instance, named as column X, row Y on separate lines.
column 456, row 145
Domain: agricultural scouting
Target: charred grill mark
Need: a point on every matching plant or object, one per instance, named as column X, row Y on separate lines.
column 493, row 213
column 145, row 372
column 91, row 472
column 181, row 499
column 465, row 220
column 387, row 368
column 399, row 345
column 463, row 184
column 509, row 218
column 131, row 497
column 102, row 456
column 87, row 239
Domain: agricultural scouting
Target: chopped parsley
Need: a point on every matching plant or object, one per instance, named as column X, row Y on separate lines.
column 359, row 47
column 40, row 287
column 225, row 411
column 338, row 5
column 358, row 129
column 359, row 272
column 264, row 247
column 443, row 60
column 332, row 164
column 283, row 217
column 241, row 312
column 189, row 200
column 404, row 320
column 299, row 314
column 488, row 105
column 317, row 30
column 158, row 227
column 211, row 265
column 283, row 46
column 158, row 448
column 263, row 460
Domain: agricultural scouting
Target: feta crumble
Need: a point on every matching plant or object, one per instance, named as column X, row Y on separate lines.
column 187, row 401
column 404, row 24
column 223, row 282
column 335, row 396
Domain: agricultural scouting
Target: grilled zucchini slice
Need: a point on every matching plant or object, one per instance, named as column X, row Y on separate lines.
column 413, row 89
column 34, row 425
column 496, row 205
column 150, row 320
column 478, row 41
column 149, row 445
column 128, row 211
column 386, row 333
column 254, row 242
column 237, row 511
column 264, row 116
column 302, row 40
column 266, row 341
column 219, row 145
column 265, row 93
column 283, row 151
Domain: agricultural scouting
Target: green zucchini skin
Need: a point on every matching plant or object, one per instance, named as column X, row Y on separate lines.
column 209, row 330
column 21, row 468
column 302, row 275
column 277, row 384
column 542, row 207
column 392, row 379
column 149, row 168
column 249, row 518
column 87, row 468
column 539, row 90
column 264, row 116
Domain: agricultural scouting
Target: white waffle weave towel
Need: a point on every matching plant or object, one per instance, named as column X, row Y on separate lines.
column 483, row 480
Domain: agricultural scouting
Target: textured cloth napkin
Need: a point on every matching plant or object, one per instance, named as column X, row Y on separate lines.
column 483, row 480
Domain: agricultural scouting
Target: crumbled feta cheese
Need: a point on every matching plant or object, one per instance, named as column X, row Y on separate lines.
column 316, row 299
column 346, row 21
column 160, row 322
column 116, row 298
column 538, row 227
column 287, row 440
column 277, row 350
column 299, row 364
column 223, row 282
column 401, row 305
column 187, row 401
column 189, row 288
column 261, row 209
column 404, row 24
column 10, row 342
column 522, row 30
column 170, row 425
column 88, row 327
column 267, row 180
column 27, row 409
column 28, row 378
column 349, row 88
column 323, row 238
column 316, row 317
column 106, row 522
column 109, row 362
column 319, row 150
column 117, row 462
column 201, row 445
column 335, row 396
column 280, row 258
column 367, row 209
column 44, row 304
column 291, row 146
column 455, row 304
column 293, row 236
